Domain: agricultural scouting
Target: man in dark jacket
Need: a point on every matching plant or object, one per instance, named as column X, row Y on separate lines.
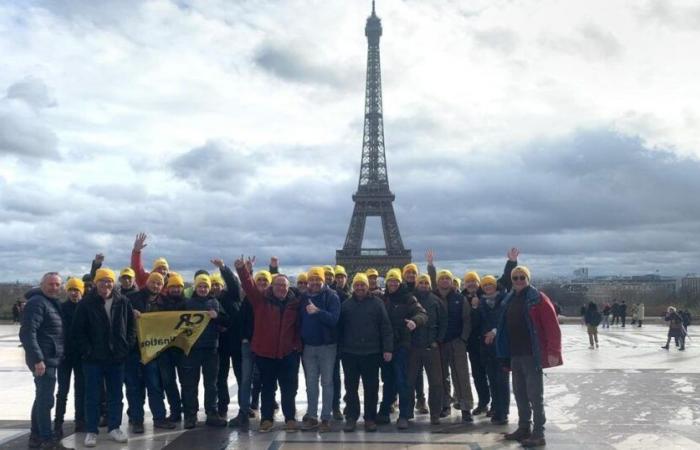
column 342, row 288
column 320, row 310
column 424, row 347
column 454, row 348
column 276, row 344
column 170, row 360
column 405, row 315
column 366, row 339
column 42, row 337
column 471, row 293
column 145, row 378
column 104, row 332
column 71, row 363
column 203, row 358
column 227, row 289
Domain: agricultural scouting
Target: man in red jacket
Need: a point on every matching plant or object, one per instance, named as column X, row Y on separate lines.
column 528, row 338
column 276, row 344
column 160, row 265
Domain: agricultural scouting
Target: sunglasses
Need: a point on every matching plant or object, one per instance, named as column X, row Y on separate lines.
column 302, row 282
column 519, row 278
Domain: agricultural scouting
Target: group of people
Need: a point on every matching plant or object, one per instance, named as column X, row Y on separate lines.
column 262, row 327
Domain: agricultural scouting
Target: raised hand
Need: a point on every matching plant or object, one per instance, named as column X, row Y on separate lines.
column 513, row 254
column 250, row 263
column 239, row 263
column 99, row 258
column 430, row 256
column 140, row 242
column 218, row 262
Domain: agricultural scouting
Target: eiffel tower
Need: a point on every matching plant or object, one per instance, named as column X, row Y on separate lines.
column 373, row 197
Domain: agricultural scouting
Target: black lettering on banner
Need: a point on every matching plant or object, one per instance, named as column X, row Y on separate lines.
column 189, row 320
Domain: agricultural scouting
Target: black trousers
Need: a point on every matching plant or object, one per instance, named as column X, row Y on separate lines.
column 418, row 358
column 206, row 362
column 65, row 369
column 367, row 368
column 479, row 376
column 227, row 359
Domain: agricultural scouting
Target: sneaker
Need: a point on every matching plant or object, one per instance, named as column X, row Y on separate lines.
column 421, row 408
column 370, row 426
column 265, row 426
column 533, row 441
column 517, row 435
column 309, row 423
column 337, row 415
column 479, row 410
column 382, row 419
column 291, row 426
column 467, row 417
column 190, row 422
column 118, row 435
column 54, row 444
column 137, row 427
column 402, row 423
column 164, row 424
column 350, row 425
column 214, row 420
column 325, row 427
column 90, row 440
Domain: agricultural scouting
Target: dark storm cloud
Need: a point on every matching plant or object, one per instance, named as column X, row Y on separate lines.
column 591, row 192
column 290, row 64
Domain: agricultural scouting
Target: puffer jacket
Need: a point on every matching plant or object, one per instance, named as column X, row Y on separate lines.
column 41, row 331
column 401, row 305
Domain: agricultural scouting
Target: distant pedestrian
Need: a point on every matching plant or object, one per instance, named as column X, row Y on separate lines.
column 640, row 314
column 615, row 311
column 676, row 329
column 592, row 319
column 16, row 311
column 606, row 315
column 623, row 313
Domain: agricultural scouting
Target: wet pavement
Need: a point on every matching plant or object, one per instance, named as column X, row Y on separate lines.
column 628, row 394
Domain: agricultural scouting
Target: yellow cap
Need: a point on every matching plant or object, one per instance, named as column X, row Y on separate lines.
column 444, row 274
column 458, row 282
column 216, row 278
column 155, row 276
column 522, row 269
column 175, row 279
column 372, row 272
column 360, row 278
column 75, row 283
column 472, row 276
column 161, row 262
column 489, row 280
column 393, row 274
column 105, row 273
column 303, row 277
column 408, row 267
column 329, row 269
column 316, row 272
column 340, row 270
column 263, row 274
column 203, row 278
column 127, row 272
column 424, row 277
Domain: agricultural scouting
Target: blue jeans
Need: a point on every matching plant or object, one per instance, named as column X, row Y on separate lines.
column 97, row 375
column 43, row 402
column 396, row 382
column 169, row 363
column 64, row 375
column 141, row 379
column 244, row 387
column 319, row 361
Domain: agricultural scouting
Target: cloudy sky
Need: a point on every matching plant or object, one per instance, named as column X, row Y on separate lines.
column 569, row 129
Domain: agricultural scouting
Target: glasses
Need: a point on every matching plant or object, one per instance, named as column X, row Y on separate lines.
column 302, row 282
column 519, row 278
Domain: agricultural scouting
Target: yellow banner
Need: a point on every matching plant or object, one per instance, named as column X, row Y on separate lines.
column 157, row 331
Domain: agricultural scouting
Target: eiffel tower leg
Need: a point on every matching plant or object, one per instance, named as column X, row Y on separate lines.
column 392, row 237
column 356, row 232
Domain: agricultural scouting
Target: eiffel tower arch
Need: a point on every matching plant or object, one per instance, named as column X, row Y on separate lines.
column 373, row 196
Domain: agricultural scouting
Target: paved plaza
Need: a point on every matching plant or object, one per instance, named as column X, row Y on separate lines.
column 629, row 394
